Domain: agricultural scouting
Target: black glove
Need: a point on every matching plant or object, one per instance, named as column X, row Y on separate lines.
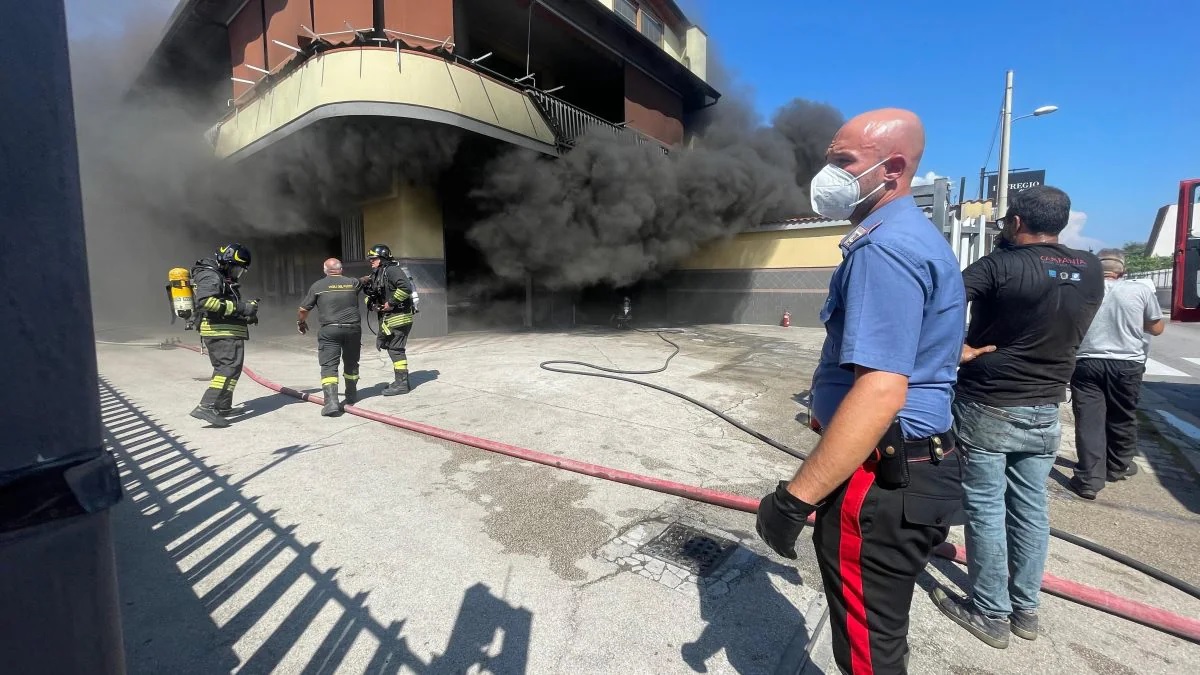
column 781, row 519
column 302, row 327
column 248, row 310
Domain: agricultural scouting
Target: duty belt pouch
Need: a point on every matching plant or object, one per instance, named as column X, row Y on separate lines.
column 891, row 471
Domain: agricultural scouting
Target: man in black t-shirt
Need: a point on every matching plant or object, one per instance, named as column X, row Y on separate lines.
column 336, row 298
column 1032, row 302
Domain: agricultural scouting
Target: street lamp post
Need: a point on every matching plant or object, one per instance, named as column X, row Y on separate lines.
column 1005, row 133
column 1006, row 120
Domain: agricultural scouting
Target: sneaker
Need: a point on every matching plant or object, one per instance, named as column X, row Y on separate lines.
column 210, row 415
column 1024, row 624
column 994, row 632
column 1080, row 489
column 1114, row 476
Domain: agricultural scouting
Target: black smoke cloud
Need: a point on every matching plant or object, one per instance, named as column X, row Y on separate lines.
column 613, row 212
column 155, row 194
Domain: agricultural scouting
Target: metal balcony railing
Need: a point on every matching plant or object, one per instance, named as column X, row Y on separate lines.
column 570, row 122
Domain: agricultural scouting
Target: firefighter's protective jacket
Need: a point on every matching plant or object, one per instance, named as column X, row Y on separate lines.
column 217, row 300
column 397, row 290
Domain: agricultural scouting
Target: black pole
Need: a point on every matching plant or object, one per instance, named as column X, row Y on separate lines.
column 528, row 36
column 58, row 588
column 981, row 170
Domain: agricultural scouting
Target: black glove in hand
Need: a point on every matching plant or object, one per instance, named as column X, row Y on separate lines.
column 248, row 310
column 781, row 519
column 302, row 326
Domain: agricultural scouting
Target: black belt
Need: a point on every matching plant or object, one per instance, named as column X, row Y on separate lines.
column 929, row 449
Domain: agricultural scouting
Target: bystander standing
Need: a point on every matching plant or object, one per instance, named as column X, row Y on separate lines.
column 1032, row 301
column 1108, row 378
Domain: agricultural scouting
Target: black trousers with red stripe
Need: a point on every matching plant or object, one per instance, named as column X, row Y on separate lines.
column 871, row 544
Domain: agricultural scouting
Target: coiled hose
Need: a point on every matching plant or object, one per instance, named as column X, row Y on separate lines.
column 1092, row 546
column 555, row 367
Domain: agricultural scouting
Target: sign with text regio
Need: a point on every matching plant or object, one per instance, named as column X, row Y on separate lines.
column 1018, row 181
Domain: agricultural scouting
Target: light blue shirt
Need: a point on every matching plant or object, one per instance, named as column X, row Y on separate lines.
column 896, row 304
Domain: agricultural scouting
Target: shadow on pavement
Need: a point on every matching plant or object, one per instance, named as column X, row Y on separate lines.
column 190, row 543
column 263, row 405
column 416, row 378
column 953, row 572
column 1173, row 472
column 727, row 617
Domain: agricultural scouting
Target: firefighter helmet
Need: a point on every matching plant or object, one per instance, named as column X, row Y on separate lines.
column 234, row 254
column 380, row 251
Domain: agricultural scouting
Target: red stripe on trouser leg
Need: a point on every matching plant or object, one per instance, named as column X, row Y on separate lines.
column 850, row 565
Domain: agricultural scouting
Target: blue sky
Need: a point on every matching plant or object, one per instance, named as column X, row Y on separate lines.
column 1125, row 75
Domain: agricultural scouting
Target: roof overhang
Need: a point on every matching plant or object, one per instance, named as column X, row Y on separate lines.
column 608, row 29
column 194, row 46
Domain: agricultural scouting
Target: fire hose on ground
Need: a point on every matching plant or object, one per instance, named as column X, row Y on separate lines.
column 1168, row 622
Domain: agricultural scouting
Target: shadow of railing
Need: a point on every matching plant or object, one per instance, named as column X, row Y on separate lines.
column 212, row 582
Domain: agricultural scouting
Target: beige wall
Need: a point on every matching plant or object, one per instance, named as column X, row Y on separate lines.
column 689, row 47
column 817, row 247
column 673, row 43
column 373, row 75
column 410, row 221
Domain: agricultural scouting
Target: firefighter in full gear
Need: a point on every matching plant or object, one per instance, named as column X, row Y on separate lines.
column 340, row 338
column 390, row 293
column 224, row 318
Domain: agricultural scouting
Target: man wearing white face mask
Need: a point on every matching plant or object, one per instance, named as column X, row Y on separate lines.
column 885, row 479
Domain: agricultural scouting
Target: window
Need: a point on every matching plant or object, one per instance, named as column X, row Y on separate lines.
column 652, row 28
column 354, row 245
column 628, row 10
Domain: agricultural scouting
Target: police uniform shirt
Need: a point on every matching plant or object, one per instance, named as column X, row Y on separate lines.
column 896, row 304
column 336, row 300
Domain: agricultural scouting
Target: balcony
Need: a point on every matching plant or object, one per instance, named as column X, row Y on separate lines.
column 569, row 122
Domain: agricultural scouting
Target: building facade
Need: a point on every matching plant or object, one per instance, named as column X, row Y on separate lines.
column 422, row 92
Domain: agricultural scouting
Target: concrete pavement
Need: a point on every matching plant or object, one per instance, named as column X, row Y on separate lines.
column 295, row 543
column 1171, row 394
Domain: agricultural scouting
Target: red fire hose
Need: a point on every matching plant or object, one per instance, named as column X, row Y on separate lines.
column 1160, row 619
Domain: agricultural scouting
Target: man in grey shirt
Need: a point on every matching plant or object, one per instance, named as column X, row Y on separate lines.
column 336, row 298
column 1109, row 366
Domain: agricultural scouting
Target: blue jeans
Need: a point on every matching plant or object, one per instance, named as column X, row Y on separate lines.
column 1010, row 453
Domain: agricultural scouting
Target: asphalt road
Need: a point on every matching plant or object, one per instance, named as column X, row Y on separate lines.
column 1173, row 374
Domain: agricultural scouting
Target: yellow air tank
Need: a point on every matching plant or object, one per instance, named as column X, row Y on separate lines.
column 183, row 303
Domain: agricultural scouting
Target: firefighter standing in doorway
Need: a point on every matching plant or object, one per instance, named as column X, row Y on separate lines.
column 224, row 318
column 340, row 339
column 390, row 293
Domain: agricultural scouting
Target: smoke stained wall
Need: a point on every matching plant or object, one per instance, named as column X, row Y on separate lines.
column 156, row 196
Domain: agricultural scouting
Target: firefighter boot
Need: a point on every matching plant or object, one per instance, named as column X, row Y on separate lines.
column 208, row 414
column 351, row 391
column 331, row 409
column 225, row 407
column 400, row 386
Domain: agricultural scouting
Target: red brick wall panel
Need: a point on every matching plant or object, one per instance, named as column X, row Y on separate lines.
column 247, row 45
column 651, row 108
column 432, row 18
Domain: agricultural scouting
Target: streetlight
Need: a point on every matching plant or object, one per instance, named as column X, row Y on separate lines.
column 1006, row 122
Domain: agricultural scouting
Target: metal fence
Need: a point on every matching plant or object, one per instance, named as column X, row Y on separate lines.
column 570, row 122
column 1161, row 278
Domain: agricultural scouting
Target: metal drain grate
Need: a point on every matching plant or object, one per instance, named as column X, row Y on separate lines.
column 692, row 549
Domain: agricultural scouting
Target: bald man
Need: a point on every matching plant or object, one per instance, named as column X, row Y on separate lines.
column 336, row 298
column 885, row 478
